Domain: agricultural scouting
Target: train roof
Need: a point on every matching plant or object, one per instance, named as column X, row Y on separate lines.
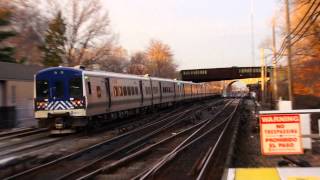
column 113, row 74
column 162, row 79
column 60, row 68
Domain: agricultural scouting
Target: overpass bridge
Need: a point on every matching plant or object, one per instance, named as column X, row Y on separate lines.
column 219, row 74
column 251, row 76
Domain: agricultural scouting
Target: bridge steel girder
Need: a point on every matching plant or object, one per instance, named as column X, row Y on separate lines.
column 218, row 74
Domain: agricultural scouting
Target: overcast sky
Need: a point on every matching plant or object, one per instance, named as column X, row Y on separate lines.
column 201, row 33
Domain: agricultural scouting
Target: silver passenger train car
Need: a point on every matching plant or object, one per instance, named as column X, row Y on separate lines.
column 70, row 98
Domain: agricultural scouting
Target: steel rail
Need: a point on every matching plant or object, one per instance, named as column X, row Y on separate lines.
column 209, row 158
column 134, row 143
column 91, row 148
column 183, row 146
column 14, row 131
column 139, row 153
column 24, row 133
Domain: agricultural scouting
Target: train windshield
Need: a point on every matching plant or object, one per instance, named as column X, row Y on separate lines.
column 42, row 89
column 75, row 87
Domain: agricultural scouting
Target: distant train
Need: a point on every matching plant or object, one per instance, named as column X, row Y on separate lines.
column 67, row 98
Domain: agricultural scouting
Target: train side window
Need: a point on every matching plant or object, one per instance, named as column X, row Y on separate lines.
column 114, row 91
column 128, row 90
column 89, row 87
column 117, row 91
column 124, row 91
column 98, row 92
column 120, row 91
column 136, row 90
column 75, row 87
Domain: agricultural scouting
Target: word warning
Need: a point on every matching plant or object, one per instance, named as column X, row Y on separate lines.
column 280, row 134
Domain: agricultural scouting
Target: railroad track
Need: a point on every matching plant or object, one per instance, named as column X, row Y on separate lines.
column 6, row 132
column 21, row 133
column 132, row 166
column 189, row 160
column 146, row 140
column 108, row 148
column 22, row 153
column 22, row 140
column 19, row 153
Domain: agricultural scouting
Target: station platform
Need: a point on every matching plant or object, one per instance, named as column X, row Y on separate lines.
column 287, row 173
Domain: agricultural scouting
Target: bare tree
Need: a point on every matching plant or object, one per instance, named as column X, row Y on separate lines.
column 114, row 60
column 88, row 30
column 138, row 64
column 88, row 27
column 160, row 60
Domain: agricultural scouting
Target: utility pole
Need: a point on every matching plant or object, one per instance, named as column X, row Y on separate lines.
column 266, row 90
column 262, row 62
column 290, row 87
column 252, row 34
column 274, row 63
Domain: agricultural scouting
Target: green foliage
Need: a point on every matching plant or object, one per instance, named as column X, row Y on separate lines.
column 54, row 48
column 6, row 52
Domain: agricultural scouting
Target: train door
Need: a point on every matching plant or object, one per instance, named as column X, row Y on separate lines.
column 108, row 91
column 174, row 90
column 183, row 89
column 141, row 90
column 152, row 96
column 160, row 91
column 58, row 89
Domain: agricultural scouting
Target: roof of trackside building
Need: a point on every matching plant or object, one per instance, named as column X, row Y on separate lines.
column 15, row 71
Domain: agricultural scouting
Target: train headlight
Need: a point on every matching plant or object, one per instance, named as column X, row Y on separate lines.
column 78, row 103
column 41, row 105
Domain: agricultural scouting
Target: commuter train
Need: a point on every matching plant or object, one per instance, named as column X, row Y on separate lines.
column 67, row 99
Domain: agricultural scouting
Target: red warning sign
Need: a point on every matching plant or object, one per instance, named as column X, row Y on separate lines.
column 280, row 134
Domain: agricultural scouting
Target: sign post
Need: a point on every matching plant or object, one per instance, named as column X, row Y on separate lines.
column 280, row 134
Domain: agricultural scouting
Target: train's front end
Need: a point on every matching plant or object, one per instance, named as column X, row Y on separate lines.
column 59, row 99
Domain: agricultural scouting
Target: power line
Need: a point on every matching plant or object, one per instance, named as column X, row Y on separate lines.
column 307, row 28
column 309, row 18
column 305, row 15
column 284, row 44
